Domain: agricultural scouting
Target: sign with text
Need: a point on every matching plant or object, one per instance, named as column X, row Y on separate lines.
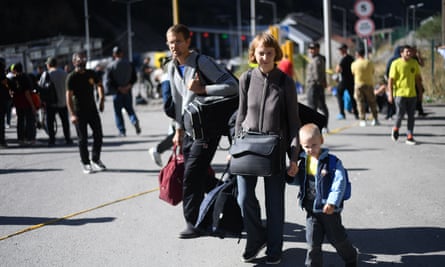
column 364, row 27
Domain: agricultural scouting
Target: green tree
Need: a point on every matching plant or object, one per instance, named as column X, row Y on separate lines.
column 431, row 30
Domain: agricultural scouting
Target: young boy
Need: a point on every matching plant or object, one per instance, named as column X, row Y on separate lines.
column 321, row 195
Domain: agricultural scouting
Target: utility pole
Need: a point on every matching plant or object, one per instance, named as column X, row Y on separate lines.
column 129, row 31
column 252, row 19
column 327, row 31
column 443, row 22
column 175, row 12
column 87, row 30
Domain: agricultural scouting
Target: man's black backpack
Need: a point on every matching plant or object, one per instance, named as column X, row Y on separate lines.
column 47, row 89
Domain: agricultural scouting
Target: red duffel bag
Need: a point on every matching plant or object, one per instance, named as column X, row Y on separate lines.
column 171, row 179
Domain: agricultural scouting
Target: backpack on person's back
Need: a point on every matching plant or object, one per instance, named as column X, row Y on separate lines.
column 47, row 89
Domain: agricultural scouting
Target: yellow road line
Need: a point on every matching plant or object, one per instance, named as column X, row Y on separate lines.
column 37, row 226
column 341, row 129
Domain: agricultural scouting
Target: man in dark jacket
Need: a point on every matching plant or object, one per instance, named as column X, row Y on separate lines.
column 119, row 79
column 316, row 81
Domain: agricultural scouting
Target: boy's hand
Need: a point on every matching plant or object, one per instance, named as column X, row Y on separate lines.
column 328, row 209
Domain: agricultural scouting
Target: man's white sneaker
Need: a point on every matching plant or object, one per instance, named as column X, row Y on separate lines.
column 87, row 169
column 155, row 156
column 98, row 165
column 362, row 123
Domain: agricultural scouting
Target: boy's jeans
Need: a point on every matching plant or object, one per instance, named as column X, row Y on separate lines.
column 319, row 225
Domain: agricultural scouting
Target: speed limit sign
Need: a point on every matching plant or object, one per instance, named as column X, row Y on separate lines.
column 363, row 8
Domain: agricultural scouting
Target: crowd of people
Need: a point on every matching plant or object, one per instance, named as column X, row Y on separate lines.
column 76, row 96
column 399, row 91
column 79, row 97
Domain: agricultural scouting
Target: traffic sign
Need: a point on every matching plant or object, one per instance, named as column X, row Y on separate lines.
column 364, row 27
column 363, row 8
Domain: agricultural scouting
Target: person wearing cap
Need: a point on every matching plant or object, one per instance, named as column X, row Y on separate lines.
column 316, row 81
column 119, row 78
column 80, row 98
column 57, row 77
column 346, row 82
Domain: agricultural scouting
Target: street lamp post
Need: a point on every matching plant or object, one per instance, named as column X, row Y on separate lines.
column 343, row 10
column 414, row 13
column 274, row 9
column 129, row 31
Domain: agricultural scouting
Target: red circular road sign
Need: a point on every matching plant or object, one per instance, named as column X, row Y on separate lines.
column 364, row 27
column 363, row 8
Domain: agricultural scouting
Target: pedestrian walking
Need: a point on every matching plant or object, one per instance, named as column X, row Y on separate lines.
column 316, row 81
column 322, row 198
column 346, row 82
column 363, row 71
column 58, row 106
column 21, row 86
column 186, row 84
column 80, row 85
column 166, row 143
column 404, row 76
column 119, row 79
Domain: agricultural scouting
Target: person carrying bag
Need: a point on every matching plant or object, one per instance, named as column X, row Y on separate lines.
column 267, row 124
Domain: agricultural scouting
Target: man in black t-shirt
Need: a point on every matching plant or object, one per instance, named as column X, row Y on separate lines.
column 80, row 85
column 346, row 82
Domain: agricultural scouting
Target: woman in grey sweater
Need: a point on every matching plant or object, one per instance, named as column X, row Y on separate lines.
column 268, row 104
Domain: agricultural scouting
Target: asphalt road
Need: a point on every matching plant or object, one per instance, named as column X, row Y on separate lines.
column 51, row 214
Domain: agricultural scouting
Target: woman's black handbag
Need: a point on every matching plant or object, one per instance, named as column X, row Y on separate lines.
column 256, row 154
